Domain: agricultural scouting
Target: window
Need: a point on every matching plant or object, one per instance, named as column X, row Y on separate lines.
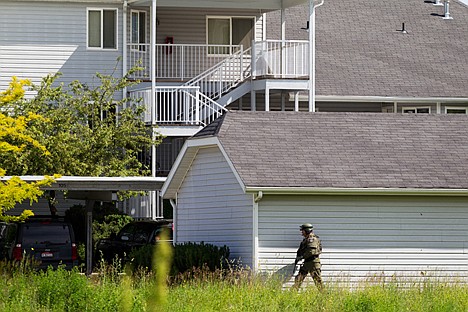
column 102, row 28
column 138, row 31
column 456, row 110
column 417, row 110
column 229, row 31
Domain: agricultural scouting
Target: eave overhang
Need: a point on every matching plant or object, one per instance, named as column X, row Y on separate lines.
column 114, row 184
column 227, row 4
column 389, row 99
column 184, row 161
column 356, row 191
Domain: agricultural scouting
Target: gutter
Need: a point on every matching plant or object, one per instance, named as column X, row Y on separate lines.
column 339, row 98
column 356, row 191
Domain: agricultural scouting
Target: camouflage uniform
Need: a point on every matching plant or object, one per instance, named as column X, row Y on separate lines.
column 309, row 250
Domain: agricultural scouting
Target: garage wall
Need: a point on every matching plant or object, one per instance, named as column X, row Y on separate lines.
column 368, row 237
column 212, row 207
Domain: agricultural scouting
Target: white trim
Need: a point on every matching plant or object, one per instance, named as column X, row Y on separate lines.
column 138, row 30
column 390, row 99
column 102, row 29
column 415, row 108
column 229, row 17
column 358, row 191
column 255, row 246
column 197, row 144
column 457, row 108
column 98, row 183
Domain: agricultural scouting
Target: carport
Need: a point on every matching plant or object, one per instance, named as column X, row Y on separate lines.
column 91, row 189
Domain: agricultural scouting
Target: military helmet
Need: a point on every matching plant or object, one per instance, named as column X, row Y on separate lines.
column 307, row 227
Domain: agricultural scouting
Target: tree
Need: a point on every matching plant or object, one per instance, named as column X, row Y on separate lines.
column 15, row 141
column 89, row 131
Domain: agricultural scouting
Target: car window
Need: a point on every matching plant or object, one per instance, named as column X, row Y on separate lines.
column 3, row 230
column 45, row 234
column 126, row 234
column 160, row 230
column 141, row 235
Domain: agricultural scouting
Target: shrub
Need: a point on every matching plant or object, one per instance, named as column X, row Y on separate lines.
column 111, row 224
column 187, row 256
column 198, row 255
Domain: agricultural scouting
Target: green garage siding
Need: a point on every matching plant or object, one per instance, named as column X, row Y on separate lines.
column 365, row 236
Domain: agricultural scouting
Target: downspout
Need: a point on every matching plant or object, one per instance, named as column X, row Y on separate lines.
column 256, row 199
column 124, row 47
column 312, row 7
column 153, row 98
column 174, row 215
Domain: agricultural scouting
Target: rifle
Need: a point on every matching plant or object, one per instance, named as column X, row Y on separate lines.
column 297, row 265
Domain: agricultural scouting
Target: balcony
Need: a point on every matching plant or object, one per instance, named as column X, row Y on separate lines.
column 201, row 74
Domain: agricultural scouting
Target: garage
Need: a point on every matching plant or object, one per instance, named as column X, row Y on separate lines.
column 386, row 193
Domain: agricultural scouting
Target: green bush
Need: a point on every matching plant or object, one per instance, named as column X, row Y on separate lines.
column 111, row 224
column 198, row 255
column 187, row 256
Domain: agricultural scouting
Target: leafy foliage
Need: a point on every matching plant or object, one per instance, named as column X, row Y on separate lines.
column 90, row 131
column 16, row 140
column 187, row 256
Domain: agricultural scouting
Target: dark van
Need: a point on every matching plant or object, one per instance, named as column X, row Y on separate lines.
column 49, row 241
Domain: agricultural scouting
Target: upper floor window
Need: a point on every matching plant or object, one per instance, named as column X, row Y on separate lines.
column 102, row 28
column 456, row 110
column 138, row 31
column 227, row 31
column 417, row 110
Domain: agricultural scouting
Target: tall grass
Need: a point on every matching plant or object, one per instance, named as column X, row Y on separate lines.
column 200, row 290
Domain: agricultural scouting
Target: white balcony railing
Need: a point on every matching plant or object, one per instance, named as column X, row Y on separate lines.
column 183, row 105
column 270, row 58
column 223, row 76
column 178, row 61
column 280, row 59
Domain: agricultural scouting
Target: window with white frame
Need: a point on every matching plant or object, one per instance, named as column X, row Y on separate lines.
column 227, row 30
column 416, row 110
column 102, row 29
column 456, row 110
column 138, row 30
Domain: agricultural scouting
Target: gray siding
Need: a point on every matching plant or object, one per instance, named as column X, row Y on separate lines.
column 189, row 25
column 365, row 237
column 212, row 207
column 38, row 38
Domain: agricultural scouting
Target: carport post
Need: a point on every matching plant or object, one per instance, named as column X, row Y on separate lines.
column 89, row 236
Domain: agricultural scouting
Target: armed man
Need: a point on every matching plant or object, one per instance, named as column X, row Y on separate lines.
column 309, row 252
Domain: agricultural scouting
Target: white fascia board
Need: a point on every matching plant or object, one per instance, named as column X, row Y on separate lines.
column 185, row 131
column 85, row 183
column 357, row 191
column 390, row 99
column 74, row 1
column 175, row 177
column 223, row 4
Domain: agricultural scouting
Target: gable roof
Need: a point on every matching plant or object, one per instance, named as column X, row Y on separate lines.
column 361, row 50
column 345, row 150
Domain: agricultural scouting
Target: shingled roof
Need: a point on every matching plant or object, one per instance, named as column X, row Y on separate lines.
column 345, row 150
column 361, row 50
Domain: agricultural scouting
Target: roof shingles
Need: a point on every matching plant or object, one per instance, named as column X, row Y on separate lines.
column 346, row 150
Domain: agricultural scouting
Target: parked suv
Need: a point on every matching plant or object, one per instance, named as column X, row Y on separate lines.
column 132, row 236
column 49, row 241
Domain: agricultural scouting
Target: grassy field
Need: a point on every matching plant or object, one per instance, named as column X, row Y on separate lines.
column 59, row 290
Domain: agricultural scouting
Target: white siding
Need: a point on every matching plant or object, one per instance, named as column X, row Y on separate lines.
column 212, row 207
column 38, row 38
column 366, row 237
